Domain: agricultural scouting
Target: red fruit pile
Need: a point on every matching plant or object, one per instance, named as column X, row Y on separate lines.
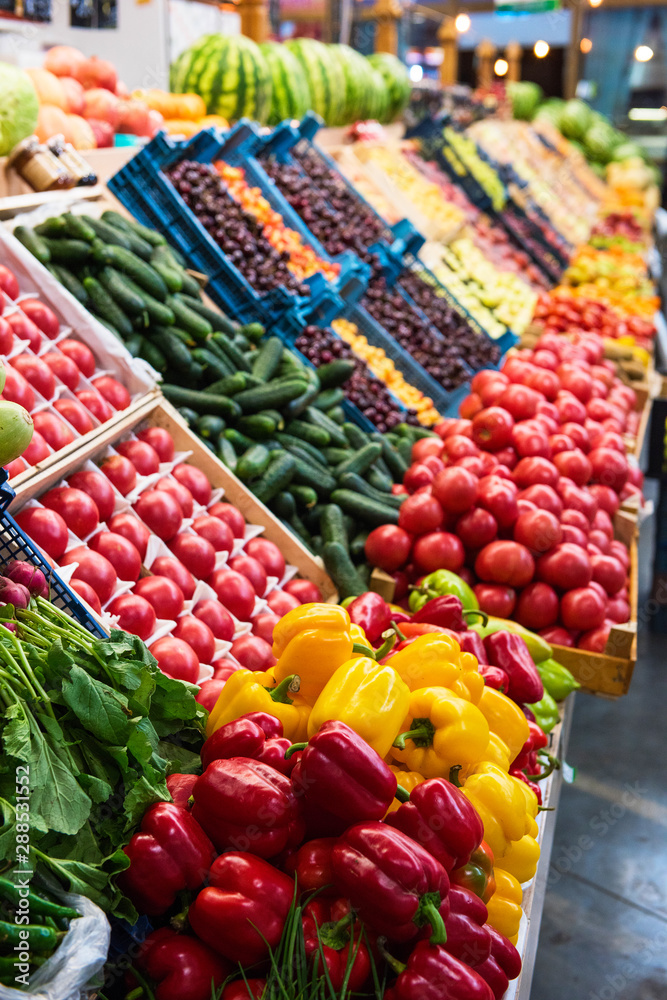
column 560, row 310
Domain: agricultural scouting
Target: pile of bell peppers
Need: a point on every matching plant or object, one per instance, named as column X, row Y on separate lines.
column 380, row 776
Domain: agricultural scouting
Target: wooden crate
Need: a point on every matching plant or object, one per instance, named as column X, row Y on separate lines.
column 157, row 412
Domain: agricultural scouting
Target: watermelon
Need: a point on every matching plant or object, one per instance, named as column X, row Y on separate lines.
column 396, row 80
column 364, row 87
column 229, row 72
column 325, row 76
column 575, row 119
column 599, row 142
column 290, row 96
column 628, row 151
column 525, row 97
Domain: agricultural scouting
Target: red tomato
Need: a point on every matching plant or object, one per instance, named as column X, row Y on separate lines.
column 574, row 465
column 533, row 471
column 619, row 550
column 252, row 570
column 566, row 567
column 24, row 329
column 121, row 554
column 194, row 480
column 574, row 535
column 160, row 440
column 438, row 550
column 196, row 553
column 538, row 530
column 609, row 467
column 160, row 512
column 543, row 497
column 234, row 591
column 491, row 392
column 537, row 607
column 595, row 640
column 609, row 573
column 82, row 356
column 545, row 382
column 424, row 447
column 36, row 373
column 517, row 369
column 570, row 409
column 181, row 495
column 304, row 591
column 120, row 472
column 131, row 528
column 85, row 591
column 94, row 403
column 471, row 405
column 46, row 528
column 100, row 490
column 75, row 414
column 8, row 283
column 528, row 440
column 486, row 375
column 280, row 602
column 41, row 316
column 576, row 519
column 15, row 468
column 495, row 599
column 557, row 636
column 474, row 464
column 253, row 653
column 37, row 450
column 600, row 539
column 6, row 336
column 457, row 446
column 492, row 428
column 135, row 615
column 578, row 383
column 448, row 427
column 505, row 562
column 577, row 434
column 559, row 443
column 544, row 358
column 263, row 626
column 420, row 514
column 476, row 528
column 176, row 659
column 163, row 594
column 506, row 457
column 577, row 498
column 209, row 692
column 582, row 609
column 77, row 509
column 53, row 430
column 520, row 401
column 216, row 617
column 215, row 531
column 110, row 389
column 387, row 547
column 234, row 518
column 608, row 439
column 174, row 570
column 417, row 476
column 618, row 610
column 198, row 635
column 144, row 458
column 62, row 368
column 94, row 569
column 498, row 496
column 456, row 489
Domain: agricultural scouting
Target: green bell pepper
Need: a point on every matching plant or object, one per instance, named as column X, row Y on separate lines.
column 546, row 712
column 538, row 647
column 443, row 581
column 557, row 679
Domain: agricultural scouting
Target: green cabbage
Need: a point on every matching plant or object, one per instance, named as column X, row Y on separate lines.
column 18, row 107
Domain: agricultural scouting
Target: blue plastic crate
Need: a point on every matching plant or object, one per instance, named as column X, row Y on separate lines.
column 141, row 185
column 6, row 492
column 14, row 544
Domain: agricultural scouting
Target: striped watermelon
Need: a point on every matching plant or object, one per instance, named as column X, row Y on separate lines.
column 396, row 80
column 326, row 80
column 361, row 84
column 290, row 96
column 229, row 72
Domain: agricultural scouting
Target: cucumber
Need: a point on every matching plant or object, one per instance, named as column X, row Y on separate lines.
column 361, row 460
column 172, row 278
column 301, row 403
column 316, row 436
column 253, row 331
column 253, row 462
column 131, row 225
column 305, row 496
column 337, row 414
column 226, row 454
column 109, row 235
column 303, row 448
column 274, row 394
column 404, row 449
column 134, row 267
column 77, row 227
column 319, row 419
column 214, row 369
column 268, row 358
column 70, row 282
column 229, row 385
column 54, row 226
column 215, row 349
column 308, row 474
column 379, row 480
column 188, row 319
column 173, row 348
column 257, row 426
column 156, row 311
column 241, row 442
column 417, row 433
column 33, row 242
column 316, row 544
column 153, row 355
column 351, row 481
column 106, row 308
column 138, row 246
column 392, row 457
column 277, row 418
column 201, row 402
column 290, row 366
column 277, row 477
column 356, row 437
column 191, row 377
column 366, row 510
column 300, row 530
column 328, row 398
column 243, row 344
column 134, row 344
column 335, row 456
column 335, row 373
column 358, row 546
column 284, row 505
column 235, row 356
column 210, row 426
column 188, row 415
column 342, row 570
column 130, row 301
column 191, row 287
column 332, row 524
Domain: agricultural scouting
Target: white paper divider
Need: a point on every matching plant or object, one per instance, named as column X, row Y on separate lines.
column 205, row 673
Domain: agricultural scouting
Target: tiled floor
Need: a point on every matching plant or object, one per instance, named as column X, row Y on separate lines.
column 604, row 929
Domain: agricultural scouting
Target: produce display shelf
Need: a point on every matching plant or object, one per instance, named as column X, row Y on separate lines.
column 545, row 261
column 145, row 191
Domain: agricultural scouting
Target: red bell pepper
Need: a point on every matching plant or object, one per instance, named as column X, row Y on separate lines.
column 246, row 805
column 472, row 642
column 371, row 613
column 331, row 924
column 446, row 611
column 503, row 964
column 477, row 874
column 181, row 966
column 495, row 677
column 440, row 818
column 171, row 852
column 534, row 787
column 432, row 973
column 311, row 865
column 273, row 728
column 508, row 651
column 251, row 989
column 537, row 740
column 341, row 773
column 273, row 753
column 242, row 911
column 240, row 738
column 180, row 788
column 468, row 937
column 394, row 883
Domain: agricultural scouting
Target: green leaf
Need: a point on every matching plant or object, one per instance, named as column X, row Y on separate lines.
column 55, row 795
column 102, row 710
column 181, row 760
column 16, row 734
column 98, row 789
column 143, row 794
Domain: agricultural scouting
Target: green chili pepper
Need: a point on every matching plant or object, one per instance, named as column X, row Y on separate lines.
column 546, row 712
column 35, row 904
column 443, row 581
column 557, row 679
column 538, row 647
column 38, row 938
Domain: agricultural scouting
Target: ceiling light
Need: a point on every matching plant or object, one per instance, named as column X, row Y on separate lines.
column 416, row 73
column 585, row 45
column 647, row 114
column 595, row 3
column 462, row 23
column 500, row 67
column 541, row 49
column 643, row 53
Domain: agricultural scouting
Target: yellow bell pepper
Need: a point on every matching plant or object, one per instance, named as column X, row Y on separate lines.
column 322, row 616
column 312, row 641
column 497, row 752
column 521, row 858
column 505, row 905
column 501, row 804
column 407, row 779
column 253, row 691
column 371, row 698
column 505, row 719
column 434, row 660
column 441, row 732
